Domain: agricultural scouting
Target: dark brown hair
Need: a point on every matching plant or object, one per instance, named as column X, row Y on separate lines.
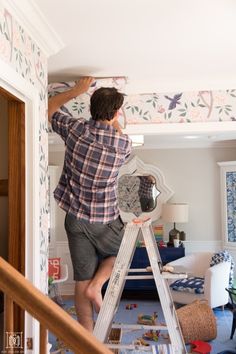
column 105, row 102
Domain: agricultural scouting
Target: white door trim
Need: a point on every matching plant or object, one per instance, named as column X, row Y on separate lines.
column 12, row 82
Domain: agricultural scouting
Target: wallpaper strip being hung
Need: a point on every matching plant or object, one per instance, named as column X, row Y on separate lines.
column 180, row 107
column 79, row 107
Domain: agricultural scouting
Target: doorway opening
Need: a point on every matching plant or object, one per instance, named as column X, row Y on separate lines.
column 12, row 202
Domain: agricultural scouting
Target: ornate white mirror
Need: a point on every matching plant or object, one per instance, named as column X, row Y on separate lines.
column 141, row 190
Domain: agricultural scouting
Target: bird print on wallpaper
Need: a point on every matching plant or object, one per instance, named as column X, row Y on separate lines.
column 174, row 101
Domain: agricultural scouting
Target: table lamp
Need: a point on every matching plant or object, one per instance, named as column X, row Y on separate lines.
column 176, row 213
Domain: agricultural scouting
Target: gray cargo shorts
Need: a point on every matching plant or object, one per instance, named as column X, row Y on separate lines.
column 89, row 243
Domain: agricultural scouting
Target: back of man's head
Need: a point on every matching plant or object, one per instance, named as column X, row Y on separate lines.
column 105, row 102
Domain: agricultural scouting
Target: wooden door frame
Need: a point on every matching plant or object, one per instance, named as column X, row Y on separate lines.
column 16, row 180
column 16, row 85
column 16, row 200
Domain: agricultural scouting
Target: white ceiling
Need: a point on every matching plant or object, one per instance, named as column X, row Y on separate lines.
column 160, row 45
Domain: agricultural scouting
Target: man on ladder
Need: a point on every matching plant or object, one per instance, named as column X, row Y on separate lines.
column 87, row 190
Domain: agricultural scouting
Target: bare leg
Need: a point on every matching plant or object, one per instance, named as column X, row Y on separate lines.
column 94, row 288
column 84, row 307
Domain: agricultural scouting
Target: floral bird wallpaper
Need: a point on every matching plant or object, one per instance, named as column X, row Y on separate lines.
column 21, row 53
column 181, row 107
column 154, row 108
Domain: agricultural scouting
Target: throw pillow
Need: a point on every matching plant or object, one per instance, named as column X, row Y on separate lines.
column 190, row 285
column 224, row 256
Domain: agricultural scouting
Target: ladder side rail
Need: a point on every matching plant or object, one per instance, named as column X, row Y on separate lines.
column 156, row 348
column 174, row 313
column 116, row 282
column 166, row 300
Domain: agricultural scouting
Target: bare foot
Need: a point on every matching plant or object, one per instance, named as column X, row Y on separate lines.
column 93, row 293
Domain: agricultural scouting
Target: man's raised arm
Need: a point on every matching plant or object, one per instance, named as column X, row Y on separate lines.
column 55, row 102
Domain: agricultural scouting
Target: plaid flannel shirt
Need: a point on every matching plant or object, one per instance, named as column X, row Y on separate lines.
column 94, row 154
column 146, row 187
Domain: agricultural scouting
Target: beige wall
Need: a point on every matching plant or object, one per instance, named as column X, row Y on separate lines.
column 56, row 158
column 3, row 175
column 194, row 176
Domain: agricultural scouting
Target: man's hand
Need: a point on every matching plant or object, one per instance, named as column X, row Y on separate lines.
column 117, row 126
column 55, row 102
column 82, row 85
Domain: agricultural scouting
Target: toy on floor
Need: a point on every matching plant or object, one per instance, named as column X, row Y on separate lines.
column 151, row 335
column 115, row 338
column 165, row 336
column 59, row 351
column 60, row 348
column 161, row 244
column 71, row 310
column 141, row 341
column 198, row 346
column 147, row 319
column 131, row 306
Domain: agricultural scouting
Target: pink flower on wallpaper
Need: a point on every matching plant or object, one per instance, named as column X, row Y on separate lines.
column 219, row 99
column 5, row 49
column 160, row 109
column 194, row 114
column 27, row 48
column 17, row 40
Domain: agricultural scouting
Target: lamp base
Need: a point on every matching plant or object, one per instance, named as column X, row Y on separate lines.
column 173, row 234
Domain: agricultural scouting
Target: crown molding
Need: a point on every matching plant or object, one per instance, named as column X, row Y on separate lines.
column 30, row 17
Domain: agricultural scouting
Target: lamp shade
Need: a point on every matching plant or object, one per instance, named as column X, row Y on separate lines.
column 177, row 213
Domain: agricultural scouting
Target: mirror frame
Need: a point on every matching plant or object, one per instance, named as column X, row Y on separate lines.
column 136, row 167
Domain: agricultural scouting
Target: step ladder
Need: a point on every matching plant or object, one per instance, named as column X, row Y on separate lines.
column 135, row 229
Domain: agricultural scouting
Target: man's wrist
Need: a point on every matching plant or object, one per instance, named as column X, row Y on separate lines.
column 75, row 92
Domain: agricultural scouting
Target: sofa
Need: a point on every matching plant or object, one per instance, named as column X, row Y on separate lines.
column 211, row 280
